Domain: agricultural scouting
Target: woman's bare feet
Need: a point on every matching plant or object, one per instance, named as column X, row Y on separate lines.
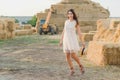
column 72, row 72
column 82, row 69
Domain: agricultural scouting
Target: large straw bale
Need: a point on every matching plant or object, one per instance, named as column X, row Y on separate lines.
column 34, row 29
column 114, row 23
column 105, row 47
column 86, row 29
column 23, row 32
column 9, row 23
column 17, row 26
column 1, row 25
column 7, row 28
column 3, row 35
column 109, row 34
column 103, row 23
column 10, row 35
column 116, row 36
column 27, row 26
column 87, row 36
column 103, row 53
column 93, row 32
column 99, row 34
column 10, row 26
column 102, row 29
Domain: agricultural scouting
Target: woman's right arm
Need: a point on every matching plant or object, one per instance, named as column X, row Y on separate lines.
column 61, row 40
column 62, row 36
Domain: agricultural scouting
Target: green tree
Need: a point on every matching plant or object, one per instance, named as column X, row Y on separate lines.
column 16, row 21
column 32, row 21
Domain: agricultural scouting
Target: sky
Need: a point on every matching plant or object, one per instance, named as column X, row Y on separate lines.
column 31, row 7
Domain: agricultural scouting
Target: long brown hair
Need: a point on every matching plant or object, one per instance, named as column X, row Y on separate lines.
column 74, row 15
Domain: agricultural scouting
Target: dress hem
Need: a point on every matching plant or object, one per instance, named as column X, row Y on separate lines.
column 71, row 51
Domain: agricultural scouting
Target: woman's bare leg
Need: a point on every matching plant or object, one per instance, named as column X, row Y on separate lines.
column 76, row 58
column 68, row 58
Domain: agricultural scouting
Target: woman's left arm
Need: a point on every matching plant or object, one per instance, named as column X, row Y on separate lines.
column 80, row 35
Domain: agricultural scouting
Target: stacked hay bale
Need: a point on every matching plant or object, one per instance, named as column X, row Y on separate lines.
column 3, row 33
column 7, row 28
column 23, row 32
column 27, row 30
column 103, row 53
column 88, row 13
column 105, row 47
column 102, row 27
column 87, row 36
column 105, row 29
column 116, row 36
column 18, row 27
column 27, row 26
column 10, row 29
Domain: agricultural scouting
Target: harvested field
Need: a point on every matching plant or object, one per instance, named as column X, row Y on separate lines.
column 35, row 57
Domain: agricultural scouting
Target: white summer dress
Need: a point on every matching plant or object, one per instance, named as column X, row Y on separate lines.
column 70, row 40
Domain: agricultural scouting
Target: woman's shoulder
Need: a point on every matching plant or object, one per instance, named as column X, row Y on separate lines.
column 70, row 21
column 67, row 20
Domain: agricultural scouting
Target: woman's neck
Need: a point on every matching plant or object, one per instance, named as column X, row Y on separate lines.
column 71, row 19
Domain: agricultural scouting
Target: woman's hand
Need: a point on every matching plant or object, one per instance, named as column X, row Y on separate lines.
column 60, row 43
column 83, row 44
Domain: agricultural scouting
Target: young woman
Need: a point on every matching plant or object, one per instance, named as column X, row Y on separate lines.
column 70, row 41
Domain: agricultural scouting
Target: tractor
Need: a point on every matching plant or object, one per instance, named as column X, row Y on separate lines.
column 47, row 28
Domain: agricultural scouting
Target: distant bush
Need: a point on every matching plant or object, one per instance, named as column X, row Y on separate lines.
column 16, row 21
column 33, row 21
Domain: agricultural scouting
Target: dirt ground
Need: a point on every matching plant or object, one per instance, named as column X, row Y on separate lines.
column 38, row 57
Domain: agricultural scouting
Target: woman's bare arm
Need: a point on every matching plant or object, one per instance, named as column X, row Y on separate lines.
column 61, row 39
column 62, row 36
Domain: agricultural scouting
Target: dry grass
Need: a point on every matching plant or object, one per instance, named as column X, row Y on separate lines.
column 36, row 57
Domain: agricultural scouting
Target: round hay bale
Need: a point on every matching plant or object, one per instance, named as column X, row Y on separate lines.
column 3, row 34
column 1, row 25
column 10, row 26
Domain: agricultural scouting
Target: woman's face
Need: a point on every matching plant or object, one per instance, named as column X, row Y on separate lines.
column 70, row 15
